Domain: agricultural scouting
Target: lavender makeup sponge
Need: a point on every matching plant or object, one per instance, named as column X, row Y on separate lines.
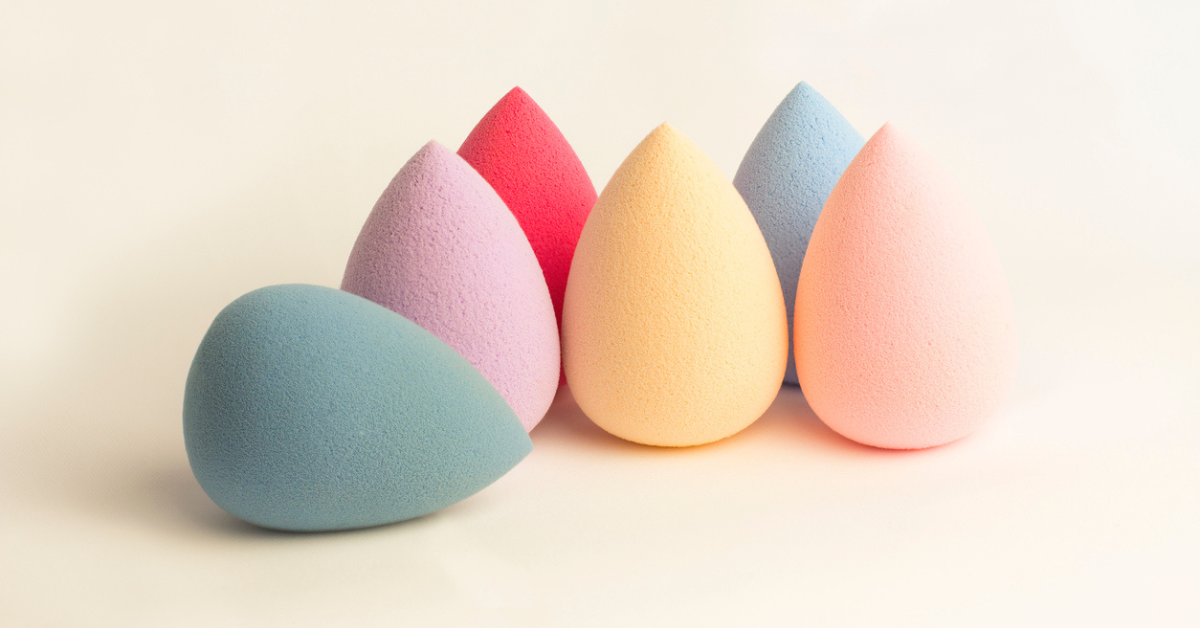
column 307, row 408
column 524, row 156
column 786, row 176
column 441, row 249
column 674, row 329
column 905, row 334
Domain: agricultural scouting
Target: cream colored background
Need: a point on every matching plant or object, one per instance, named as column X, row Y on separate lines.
column 158, row 161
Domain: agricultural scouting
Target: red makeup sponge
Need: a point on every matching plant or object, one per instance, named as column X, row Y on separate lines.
column 532, row 167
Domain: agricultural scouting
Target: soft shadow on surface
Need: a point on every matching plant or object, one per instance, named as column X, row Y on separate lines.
column 143, row 486
column 177, row 500
column 171, row 498
column 791, row 418
column 788, row 419
column 565, row 423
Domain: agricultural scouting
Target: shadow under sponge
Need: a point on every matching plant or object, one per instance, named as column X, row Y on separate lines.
column 309, row 408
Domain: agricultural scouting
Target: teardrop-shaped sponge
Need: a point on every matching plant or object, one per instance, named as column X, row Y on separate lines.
column 441, row 249
column 905, row 334
column 786, row 176
column 524, row 156
column 674, row 329
column 307, row 408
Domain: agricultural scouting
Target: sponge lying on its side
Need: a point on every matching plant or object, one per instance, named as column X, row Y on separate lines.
column 308, row 408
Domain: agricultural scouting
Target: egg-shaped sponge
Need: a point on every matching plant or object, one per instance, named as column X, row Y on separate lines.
column 905, row 334
column 674, row 328
column 309, row 408
column 524, row 156
column 441, row 249
column 786, row 176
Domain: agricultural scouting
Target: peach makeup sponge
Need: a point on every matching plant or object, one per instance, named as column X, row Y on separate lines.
column 307, row 408
column 905, row 335
column 441, row 249
column 674, row 328
column 786, row 175
column 532, row 167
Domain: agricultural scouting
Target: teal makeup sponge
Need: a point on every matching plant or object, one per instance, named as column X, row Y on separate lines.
column 787, row 174
column 309, row 408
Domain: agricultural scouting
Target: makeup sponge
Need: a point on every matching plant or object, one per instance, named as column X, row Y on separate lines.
column 786, row 175
column 905, row 333
column 532, row 167
column 308, row 408
column 674, row 329
column 441, row 249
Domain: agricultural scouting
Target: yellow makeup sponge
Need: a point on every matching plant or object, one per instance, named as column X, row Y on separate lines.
column 674, row 328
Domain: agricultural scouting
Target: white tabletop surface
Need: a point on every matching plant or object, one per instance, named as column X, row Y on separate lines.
column 158, row 161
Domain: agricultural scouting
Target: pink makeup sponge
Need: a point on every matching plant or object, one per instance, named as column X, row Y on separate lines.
column 532, row 167
column 674, row 328
column 904, row 325
column 441, row 249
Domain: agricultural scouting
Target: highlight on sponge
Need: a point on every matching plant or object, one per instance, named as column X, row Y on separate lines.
column 905, row 334
column 308, row 408
column 786, row 176
column 441, row 249
column 523, row 155
column 674, row 328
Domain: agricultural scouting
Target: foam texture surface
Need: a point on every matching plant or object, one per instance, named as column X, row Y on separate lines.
column 308, row 408
column 787, row 174
column 441, row 249
column 674, row 328
column 530, row 164
column 905, row 334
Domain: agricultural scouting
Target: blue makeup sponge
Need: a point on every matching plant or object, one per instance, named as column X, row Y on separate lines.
column 309, row 408
column 785, row 177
